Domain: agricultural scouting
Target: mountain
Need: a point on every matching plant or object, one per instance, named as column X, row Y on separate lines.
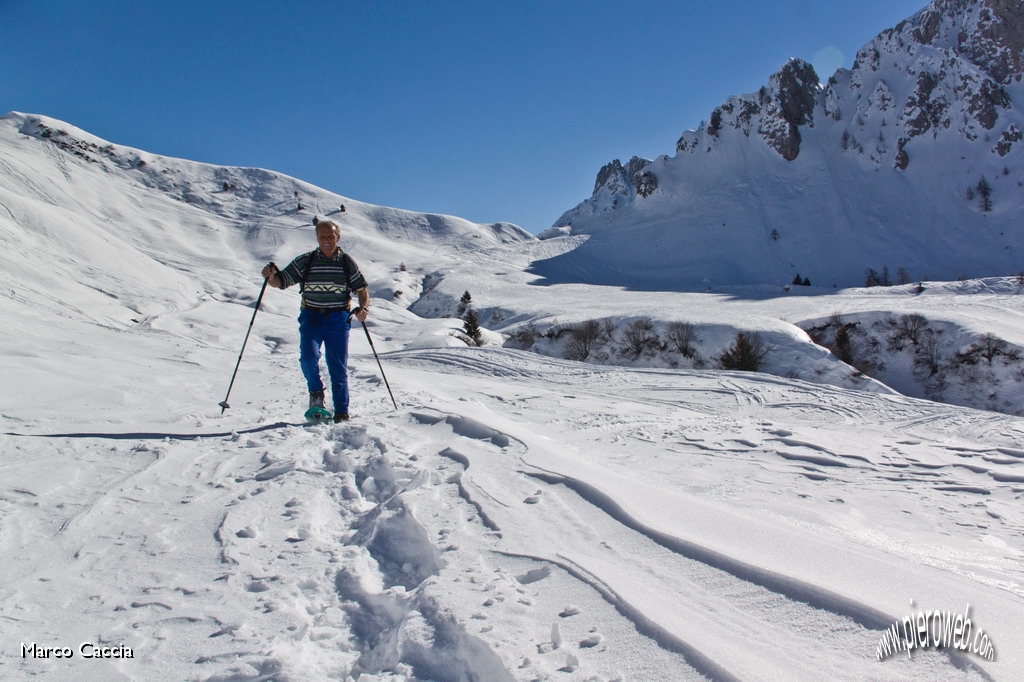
column 99, row 234
column 517, row 516
column 67, row 195
column 911, row 161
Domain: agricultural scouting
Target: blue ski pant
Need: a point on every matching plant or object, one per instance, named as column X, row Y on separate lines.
column 329, row 330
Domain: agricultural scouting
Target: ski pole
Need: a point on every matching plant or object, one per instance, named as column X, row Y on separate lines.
column 224, row 403
column 378, row 364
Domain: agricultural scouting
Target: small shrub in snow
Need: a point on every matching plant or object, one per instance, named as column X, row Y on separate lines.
column 988, row 348
column 747, row 353
column 843, row 345
column 583, row 337
column 683, row 337
column 906, row 330
column 524, row 337
column 639, row 338
column 928, row 358
column 848, row 342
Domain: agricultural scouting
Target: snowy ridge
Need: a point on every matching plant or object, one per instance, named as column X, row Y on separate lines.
column 911, row 159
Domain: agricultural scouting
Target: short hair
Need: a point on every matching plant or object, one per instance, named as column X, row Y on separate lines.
column 331, row 224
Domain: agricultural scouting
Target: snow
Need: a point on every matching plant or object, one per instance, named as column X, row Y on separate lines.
column 520, row 516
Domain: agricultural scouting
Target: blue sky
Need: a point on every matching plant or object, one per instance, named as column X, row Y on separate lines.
column 492, row 111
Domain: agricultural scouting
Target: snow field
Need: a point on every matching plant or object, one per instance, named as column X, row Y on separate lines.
column 520, row 516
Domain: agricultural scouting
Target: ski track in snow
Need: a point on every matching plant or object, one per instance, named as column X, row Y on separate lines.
column 439, row 542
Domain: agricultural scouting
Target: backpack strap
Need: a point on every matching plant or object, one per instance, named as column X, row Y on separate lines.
column 305, row 270
column 309, row 265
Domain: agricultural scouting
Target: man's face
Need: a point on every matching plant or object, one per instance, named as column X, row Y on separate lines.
column 327, row 240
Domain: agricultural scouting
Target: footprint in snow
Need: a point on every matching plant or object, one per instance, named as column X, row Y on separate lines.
column 533, row 576
column 572, row 664
column 534, row 498
column 555, row 643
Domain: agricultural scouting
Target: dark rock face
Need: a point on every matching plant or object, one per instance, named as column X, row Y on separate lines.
column 624, row 180
column 922, row 112
column 608, row 172
column 788, row 102
column 989, row 33
column 1006, row 141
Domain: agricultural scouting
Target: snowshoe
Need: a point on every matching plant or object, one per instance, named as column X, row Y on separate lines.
column 317, row 412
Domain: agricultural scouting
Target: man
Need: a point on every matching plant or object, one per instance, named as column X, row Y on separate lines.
column 326, row 277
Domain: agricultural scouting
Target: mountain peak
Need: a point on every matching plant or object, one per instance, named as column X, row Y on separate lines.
column 989, row 33
column 879, row 165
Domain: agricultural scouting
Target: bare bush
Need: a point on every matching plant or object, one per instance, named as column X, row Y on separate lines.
column 640, row 337
column 683, row 337
column 583, row 337
column 524, row 337
column 928, row 358
column 907, row 329
column 988, row 348
column 848, row 342
column 607, row 330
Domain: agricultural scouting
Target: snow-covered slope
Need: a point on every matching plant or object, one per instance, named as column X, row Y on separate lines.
column 96, row 233
column 519, row 516
column 68, row 191
column 910, row 161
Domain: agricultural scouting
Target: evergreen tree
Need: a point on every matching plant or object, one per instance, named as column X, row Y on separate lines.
column 471, row 327
column 985, row 192
column 747, row 353
column 464, row 303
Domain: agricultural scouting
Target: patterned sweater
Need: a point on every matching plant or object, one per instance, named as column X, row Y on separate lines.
column 331, row 281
